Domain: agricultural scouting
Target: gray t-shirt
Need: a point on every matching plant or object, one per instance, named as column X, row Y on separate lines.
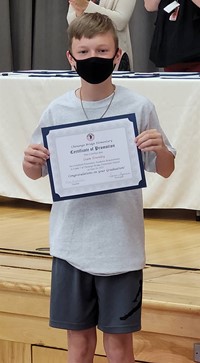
column 103, row 234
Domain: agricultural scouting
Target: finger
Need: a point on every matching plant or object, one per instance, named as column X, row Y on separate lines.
column 152, row 137
column 33, row 154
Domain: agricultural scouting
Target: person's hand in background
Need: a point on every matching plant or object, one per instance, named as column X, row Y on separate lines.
column 79, row 6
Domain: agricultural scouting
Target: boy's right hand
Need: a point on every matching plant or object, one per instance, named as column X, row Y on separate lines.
column 35, row 157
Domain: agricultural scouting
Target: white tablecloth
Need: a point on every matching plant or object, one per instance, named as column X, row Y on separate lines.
column 23, row 98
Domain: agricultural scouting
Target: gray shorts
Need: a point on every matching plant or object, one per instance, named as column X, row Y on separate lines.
column 81, row 301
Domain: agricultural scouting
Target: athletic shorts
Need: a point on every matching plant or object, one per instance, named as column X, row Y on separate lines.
column 81, row 301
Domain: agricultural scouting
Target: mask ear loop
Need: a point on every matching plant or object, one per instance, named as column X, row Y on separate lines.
column 114, row 65
column 72, row 56
column 73, row 59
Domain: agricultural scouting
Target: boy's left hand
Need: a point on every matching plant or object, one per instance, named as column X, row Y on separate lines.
column 150, row 140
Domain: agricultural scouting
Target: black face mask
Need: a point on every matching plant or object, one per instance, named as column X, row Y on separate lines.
column 94, row 70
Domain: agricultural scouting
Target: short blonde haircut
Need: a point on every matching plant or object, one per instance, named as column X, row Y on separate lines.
column 89, row 25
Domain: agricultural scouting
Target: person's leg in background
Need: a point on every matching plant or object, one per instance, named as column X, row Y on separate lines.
column 184, row 67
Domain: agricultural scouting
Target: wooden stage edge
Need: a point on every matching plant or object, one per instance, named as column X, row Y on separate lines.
column 171, row 294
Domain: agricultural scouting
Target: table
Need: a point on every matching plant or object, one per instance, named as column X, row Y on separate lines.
column 23, row 99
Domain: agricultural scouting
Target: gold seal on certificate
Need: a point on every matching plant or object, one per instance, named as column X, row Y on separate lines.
column 94, row 157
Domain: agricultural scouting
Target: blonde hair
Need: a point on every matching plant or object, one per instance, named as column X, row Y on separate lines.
column 89, row 25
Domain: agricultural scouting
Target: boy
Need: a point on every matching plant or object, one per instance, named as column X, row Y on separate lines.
column 97, row 242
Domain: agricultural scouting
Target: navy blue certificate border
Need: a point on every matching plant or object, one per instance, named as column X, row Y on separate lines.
column 56, row 197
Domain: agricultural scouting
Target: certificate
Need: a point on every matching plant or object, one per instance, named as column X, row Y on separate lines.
column 93, row 157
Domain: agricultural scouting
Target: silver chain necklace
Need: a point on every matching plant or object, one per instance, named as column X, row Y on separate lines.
column 107, row 108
